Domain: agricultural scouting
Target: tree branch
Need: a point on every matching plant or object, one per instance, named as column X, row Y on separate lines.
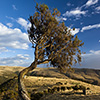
column 44, row 61
column 39, row 41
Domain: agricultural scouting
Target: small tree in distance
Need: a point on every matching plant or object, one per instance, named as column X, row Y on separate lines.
column 52, row 42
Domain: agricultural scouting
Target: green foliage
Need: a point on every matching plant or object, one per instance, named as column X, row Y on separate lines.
column 52, row 40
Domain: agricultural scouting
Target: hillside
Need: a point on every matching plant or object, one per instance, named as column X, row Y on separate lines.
column 40, row 88
column 42, row 85
column 8, row 72
column 87, row 75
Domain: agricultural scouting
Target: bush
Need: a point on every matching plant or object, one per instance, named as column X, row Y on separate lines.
column 59, row 83
column 63, row 88
column 58, row 88
column 76, row 87
column 45, row 92
column 82, row 87
column 65, row 83
column 69, row 88
column 37, row 96
column 50, row 90
column 54, row 89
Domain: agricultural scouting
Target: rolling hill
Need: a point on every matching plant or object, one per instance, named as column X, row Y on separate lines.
column 41, row 81
column 87, row 75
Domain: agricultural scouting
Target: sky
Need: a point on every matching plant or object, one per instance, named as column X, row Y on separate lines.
column 15, row 48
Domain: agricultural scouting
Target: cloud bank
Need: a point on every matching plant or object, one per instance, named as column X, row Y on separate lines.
column 13, row 38
column 91, row 2
column 78, row 11
column 18, row 60
column 9, row 24
column 75, row 12
column 91, row 60
column 24, row 23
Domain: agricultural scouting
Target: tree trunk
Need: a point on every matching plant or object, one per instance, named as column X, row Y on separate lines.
column 21, row 87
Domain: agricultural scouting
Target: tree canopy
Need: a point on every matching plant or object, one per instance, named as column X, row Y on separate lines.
column 53, row 40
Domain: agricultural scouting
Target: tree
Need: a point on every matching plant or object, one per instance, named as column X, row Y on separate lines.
column 52, row 42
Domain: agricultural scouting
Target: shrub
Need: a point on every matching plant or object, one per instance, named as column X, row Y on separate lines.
column 58, row 88
column 76, row 87
column 50, row 90
column 45, row 91
column 69, row 88
column 82, row 87
column 88, row 88
column 63, row 88
column 59, row 83
column 54, row 89
column 37, row 96
column 66, row 83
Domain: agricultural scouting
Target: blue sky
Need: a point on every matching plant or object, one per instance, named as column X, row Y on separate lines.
column 15, row 48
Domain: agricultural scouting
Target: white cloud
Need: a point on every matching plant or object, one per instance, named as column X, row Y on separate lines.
column 64, row 19
column 76, row 12
column 90, row 27
column 3, row 49
column 23, row 57
column 91, row 60
column 95, row 52
column 91, row 2
column 99, row 40
column 24, row 23
column 81, row 23
column 13, row 38
column 61, row 19
column 18, row 60
column 98, row 8
column 10, row 18
column 68, row 4
column 91, row 53
column 14, row 7
column 9, row 24
column 73, row 32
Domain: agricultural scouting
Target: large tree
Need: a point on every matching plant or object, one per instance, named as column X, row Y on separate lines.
column 52, row 42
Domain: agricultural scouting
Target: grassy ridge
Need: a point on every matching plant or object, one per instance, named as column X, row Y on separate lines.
column 87, row 75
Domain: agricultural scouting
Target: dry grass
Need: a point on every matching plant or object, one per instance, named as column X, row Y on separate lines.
column 43, row 83
column 52, row 76
column 7, row 72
